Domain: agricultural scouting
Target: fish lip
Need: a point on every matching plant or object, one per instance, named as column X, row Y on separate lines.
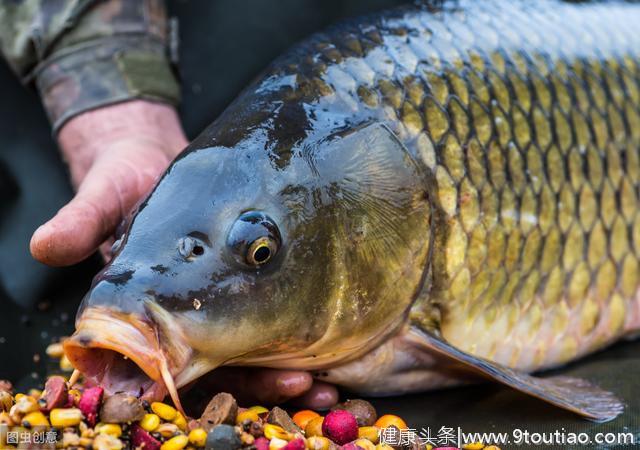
column 100, row 330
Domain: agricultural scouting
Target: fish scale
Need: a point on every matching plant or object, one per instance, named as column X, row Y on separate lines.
column 538, row 249
column 527, row 117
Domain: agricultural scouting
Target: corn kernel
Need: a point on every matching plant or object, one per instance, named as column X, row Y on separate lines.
column 65, row 364
column 167, row 430
column 164, row 411
column 70, row 439
column 318, row 443
column 314, row 427
column 370, row 433
column 35, row 419
column 23, row 406
column 19, row 396
column 180, row 421
column 112, row 429
column 175, row 443
column 492, row 447
column 247, row 414
column 76, row 394
column 55, row 350
column 6, row 401
column 5, row 419
column 473, row 446
column 276, row 443
column 246, row 438
column 35, row 393
column 150, row 422
column 302, row 418
column 389, row 419
column 198, row 437
column 365, row 444
column 259, row 409
column 274, row 431
column 85, row 442
column 68, row 417
column 85, row 431
column 107, row 442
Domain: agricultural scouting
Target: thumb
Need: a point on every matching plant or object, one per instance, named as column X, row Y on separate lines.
column 113, row 185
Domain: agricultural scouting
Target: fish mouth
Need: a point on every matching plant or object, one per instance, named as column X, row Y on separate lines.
column 122, row 353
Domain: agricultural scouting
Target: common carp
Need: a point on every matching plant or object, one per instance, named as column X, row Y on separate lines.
column 396, row 203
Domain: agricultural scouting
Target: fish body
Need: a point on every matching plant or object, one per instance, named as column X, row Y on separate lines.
column 410, row 192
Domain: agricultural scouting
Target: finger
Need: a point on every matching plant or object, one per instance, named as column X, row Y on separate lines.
column 105, row 249
column 112, row 186
column 277, row 386
column 320, row 396
column 251, row 385
column 71, row 235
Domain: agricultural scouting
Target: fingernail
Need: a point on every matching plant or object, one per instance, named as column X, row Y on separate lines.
column 293, row 384
column 324, row 398
column 321, row 396
column 38, row 230
column 39, row 233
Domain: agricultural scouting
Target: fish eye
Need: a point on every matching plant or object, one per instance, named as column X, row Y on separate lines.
column 254, row 238
column 261, row 250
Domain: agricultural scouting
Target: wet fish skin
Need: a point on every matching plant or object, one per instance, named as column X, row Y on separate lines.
column 524, row 118
column 527, row 118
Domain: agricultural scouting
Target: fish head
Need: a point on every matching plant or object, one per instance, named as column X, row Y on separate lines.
column 240, row 258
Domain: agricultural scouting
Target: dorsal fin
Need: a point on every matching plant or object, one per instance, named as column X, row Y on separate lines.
column 573, row 394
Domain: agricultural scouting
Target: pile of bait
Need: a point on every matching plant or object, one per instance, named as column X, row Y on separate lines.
column 75, row 416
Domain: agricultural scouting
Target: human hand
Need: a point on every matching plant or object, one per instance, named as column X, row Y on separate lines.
column 115, row 154
column 270, row 386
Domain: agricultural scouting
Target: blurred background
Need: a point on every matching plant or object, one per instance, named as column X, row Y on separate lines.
column 223, row 45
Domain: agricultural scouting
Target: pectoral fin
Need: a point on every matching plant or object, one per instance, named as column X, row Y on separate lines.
column 573, row 394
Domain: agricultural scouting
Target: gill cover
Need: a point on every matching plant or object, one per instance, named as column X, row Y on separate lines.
column 362, row 199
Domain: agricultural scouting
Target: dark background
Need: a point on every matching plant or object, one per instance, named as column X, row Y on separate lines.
column 223, row 45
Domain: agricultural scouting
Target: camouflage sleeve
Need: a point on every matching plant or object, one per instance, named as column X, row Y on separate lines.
column 84, row 54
